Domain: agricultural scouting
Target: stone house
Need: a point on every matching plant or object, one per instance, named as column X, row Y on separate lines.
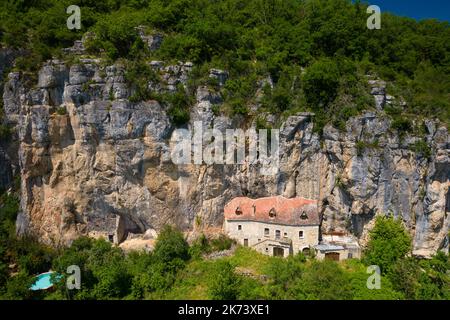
column 275, row 226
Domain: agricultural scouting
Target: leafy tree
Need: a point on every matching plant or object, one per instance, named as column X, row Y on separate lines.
column 320, row 83
column 389, row 242
column 171, row 246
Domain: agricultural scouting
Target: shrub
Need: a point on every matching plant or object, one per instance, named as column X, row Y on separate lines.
column 138, row 75
column 171, row 245
column 179, row 103
column 61, row 111
column 222, row 243
column 238, row 107
column 224, row 283
column 199, row 246
column 404, row 276
column 421, row 148
column 323, row 280
column 320, row 83
column 361, row 146
column 402, row 125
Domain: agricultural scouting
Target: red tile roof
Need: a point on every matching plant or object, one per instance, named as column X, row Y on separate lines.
column 295, row 211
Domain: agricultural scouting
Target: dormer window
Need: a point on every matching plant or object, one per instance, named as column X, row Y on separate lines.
column 303, row 215
column 238, row 211
column 272, row 213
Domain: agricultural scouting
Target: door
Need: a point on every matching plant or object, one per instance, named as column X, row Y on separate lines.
column 245, row 242
column 332, row 256
column 278, row 252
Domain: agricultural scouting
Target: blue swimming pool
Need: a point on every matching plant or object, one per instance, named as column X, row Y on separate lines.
column 43, row 281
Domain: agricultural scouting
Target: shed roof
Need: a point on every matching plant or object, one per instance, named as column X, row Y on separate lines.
column 277, row 209
column 328, row 247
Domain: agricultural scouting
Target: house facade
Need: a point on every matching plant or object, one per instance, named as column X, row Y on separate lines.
column 338, row 247
column 275, row 226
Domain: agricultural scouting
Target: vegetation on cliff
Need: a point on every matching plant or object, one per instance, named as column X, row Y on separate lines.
column 316, row 52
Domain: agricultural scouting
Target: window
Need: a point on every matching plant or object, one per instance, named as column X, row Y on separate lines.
column 239, row 227
column 303, row 215
column 266, row 232
column 277, row 234
column 272, row 213
column 111, row 238
column 285, row 234
column 300, row 234
column 267, row 249
column 238, row 211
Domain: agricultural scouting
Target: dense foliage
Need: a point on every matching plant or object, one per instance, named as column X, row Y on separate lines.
column 388, row 243
column 390, row 248
column 317, row 52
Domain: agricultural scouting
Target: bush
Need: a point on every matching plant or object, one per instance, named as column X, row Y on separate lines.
column 421, row 148
column 320, row 83
column 62, row 111
column 358, row 275
column 221, row 243
column 404, row 276
column 224, row 283
column 18, row 287
column 171, row 245
column 323, row 280
column 138, row 75
column 239, row 107
column 179, row 103
column 402, row 125
column 199, row 246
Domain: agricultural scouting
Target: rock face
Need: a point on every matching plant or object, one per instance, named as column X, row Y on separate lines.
column 8, row 149
column 92, row 162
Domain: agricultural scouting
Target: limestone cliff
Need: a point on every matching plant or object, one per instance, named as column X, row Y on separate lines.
column 92, row 162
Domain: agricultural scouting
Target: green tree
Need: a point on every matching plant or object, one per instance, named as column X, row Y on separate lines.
column 321, row 82
column 388, row 242
column 171, row 245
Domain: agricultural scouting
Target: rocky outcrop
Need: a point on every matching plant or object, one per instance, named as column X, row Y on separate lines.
column 92, row 162
column 8, row 147
column 152, row 40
